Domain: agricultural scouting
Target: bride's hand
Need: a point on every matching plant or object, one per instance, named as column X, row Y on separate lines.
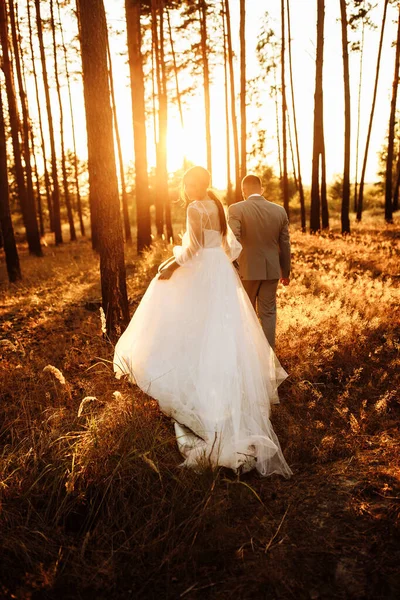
column 166, row 273
column 166, row 264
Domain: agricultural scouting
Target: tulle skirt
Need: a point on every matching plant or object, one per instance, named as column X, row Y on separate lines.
column 195, row 345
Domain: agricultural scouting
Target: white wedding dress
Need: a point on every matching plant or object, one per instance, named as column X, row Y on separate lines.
column 195, row 345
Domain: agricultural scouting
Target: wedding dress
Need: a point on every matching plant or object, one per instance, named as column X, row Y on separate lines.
column 195, row 345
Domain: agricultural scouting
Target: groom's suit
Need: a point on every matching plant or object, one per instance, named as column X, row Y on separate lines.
column 262, row 228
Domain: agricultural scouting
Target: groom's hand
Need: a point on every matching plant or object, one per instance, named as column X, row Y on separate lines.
column 285, row 281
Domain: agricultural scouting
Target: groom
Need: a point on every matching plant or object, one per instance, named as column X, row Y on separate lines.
column 262, row 228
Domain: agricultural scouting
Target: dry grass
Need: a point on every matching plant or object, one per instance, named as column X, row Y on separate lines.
column 93, row 501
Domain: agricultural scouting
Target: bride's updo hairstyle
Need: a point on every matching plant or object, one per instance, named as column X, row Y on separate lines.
column 201, row 177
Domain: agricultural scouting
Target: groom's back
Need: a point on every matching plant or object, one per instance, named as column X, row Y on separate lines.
column 262, row 228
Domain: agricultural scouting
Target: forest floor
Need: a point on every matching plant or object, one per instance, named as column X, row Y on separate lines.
column 93, row 501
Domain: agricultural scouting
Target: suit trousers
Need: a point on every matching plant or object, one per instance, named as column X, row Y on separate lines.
column 263, row 293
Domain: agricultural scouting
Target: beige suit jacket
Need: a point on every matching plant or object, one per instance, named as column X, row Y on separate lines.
column 262, row 228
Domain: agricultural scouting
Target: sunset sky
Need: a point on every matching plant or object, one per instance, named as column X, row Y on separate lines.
column 303, row 39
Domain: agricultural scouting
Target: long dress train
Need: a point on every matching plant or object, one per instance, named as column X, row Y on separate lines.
column 195, row 345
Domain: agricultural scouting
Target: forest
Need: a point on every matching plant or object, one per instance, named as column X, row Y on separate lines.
column 104, row 104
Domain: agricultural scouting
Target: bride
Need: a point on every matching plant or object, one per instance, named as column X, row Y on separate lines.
column 195, row 345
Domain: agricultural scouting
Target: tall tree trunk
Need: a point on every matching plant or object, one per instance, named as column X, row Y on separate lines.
column 6, row 226
column 71, row 111
column 324, row 196
column 289, row 130
column 37, row 182
column 27, row 207
column 42, row 140
column 392, row 120
column 300, row 180
column 124, row 195
column 285, row 181
column 243, row 125
column 206, row 77
column 360, row 78
column 132, row 10
column 395, row 205
column 31, row 134
column 317, row 193
column 160, row 179
column 101, row 160
column 178, row 93
column 60, row 106
column 347, row 122
column 277, row 124
column 238, row 191
column 31, row 203
column 154, row 98
column 163, row 123
column 371, row 118
column 56, row 190
column 228, row 137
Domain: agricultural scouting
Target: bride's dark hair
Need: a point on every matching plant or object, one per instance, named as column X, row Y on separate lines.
column 203, row 178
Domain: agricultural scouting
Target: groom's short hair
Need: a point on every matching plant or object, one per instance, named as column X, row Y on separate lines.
column 251, row 181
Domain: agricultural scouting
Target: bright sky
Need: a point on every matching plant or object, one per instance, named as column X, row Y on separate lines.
column 303, row 14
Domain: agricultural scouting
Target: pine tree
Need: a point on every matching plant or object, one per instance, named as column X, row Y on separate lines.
column 27, row 207
column 6, row 226
column 102, row 170
column 134, row 38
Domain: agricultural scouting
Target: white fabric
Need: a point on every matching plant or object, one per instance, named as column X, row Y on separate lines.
column 195, row 345
column 203, row 231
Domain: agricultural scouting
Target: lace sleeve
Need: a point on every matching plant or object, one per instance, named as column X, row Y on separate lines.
column 192, row 241
column 231, row 246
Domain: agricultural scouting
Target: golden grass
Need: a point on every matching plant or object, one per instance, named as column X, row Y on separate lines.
column 93, row 501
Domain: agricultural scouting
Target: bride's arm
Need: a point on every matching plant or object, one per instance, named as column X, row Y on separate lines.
column 192, row 240
column 191, row 244
column 168, row 271
column 166, row 263
column 231, row 245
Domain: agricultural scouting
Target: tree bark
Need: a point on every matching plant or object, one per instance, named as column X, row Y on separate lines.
column 347, row 122
column 56, row 190
column 324, row 196
column 289, row 130
column 243, row 125
column 318, row 193
column 101, row 161
column 178, row 93
column 277, row 124
column 371, row 118
column 163, row 124
column 238, row 191
column 392, row 122
column 76, row 170
column 359, row 113
column 206, row 77
column 37, row 182
column 134, row 37
column 161, row 188
column 42, row 140
column 6, row 226
column 31, row 134
column 228, row 137
column 124, row 195
column 67, row 198
column 395, row 205
column 27, row 208
column 296, row 136
column 285, row 181
column 31, row 203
